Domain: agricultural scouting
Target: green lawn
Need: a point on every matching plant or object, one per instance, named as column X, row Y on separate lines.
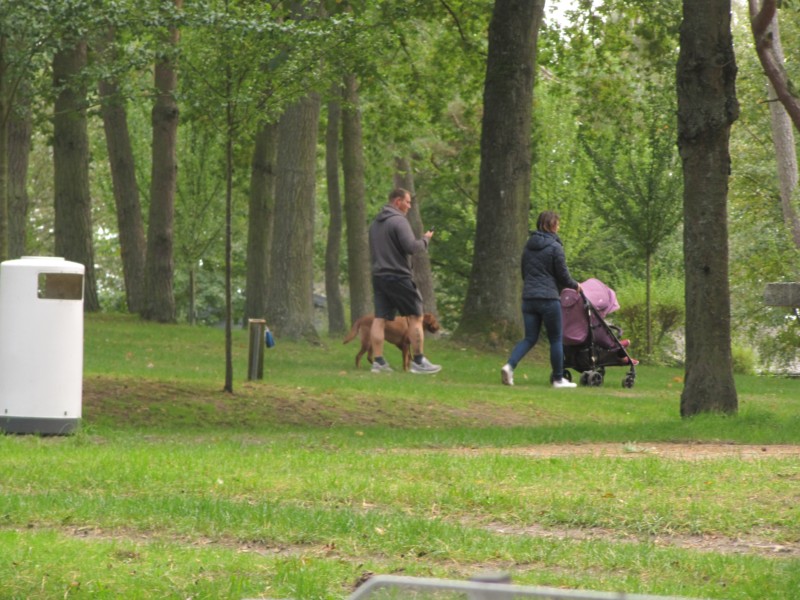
column 298, row 485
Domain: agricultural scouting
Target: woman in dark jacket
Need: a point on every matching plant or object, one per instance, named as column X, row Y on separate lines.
column 544, row 275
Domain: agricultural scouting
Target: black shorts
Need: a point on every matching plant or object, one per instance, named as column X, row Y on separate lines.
column 395, row 295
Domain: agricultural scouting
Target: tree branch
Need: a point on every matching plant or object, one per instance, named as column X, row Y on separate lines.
column 760, row 21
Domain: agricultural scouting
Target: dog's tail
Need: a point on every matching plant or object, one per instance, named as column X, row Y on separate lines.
column 353, row 331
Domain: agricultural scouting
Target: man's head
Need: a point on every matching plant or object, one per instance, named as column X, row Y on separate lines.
column 400, row 199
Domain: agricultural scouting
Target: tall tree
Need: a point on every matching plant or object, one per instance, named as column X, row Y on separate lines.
column 132, row 242
column 707, row 106
column 73, row 209
column 333, row 292
column 290, row 300
column 159, row 267
column 421, row 262
column 491, row 307
column 355, row 202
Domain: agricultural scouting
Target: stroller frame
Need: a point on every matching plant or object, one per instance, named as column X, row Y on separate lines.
column 591, row 359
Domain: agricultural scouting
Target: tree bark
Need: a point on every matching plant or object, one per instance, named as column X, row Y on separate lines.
column 491, row 308
column 707, row 106
column 358, row 261
column 130, row 224
column 290, row 300
column 73, row 209
column 159, row 266
column 260, row 220
column 420, row 262
column 333, row 293
column 20, row 129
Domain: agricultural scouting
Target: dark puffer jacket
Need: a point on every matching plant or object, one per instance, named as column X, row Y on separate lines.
column 544, row 267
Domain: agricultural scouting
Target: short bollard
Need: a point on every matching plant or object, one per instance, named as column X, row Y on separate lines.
column 255, row 361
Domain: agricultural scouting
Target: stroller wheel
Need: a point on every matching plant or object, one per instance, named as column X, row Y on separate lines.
column 595, row 378
column 585, row 378
column 628, row 380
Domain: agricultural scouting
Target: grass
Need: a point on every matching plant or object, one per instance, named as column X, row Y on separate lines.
column 299, row 485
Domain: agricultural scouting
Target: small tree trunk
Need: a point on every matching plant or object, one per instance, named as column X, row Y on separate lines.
column 73, row 210
column 259, row 223
column 783, row 139
column 333, row 293
column 159, row 269
column 132, row 241
column 20, row 130
column 355, row 204
column 421, row 262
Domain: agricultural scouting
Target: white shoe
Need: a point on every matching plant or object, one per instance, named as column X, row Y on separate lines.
column 507, row 375
column 381, row 368
column 563, row 383
column 424, row 367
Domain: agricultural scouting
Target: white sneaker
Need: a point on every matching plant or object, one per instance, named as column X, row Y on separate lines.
column 563, row 383
column 425, row 367
column 507, row 375
column 381, row 368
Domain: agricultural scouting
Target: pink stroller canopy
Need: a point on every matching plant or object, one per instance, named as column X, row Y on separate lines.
column 575, row 320
column 601, row 296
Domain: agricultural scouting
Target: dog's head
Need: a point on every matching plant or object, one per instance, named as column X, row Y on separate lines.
column 430, row 323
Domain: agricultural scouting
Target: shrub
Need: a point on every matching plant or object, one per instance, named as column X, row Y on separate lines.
column 667, row 313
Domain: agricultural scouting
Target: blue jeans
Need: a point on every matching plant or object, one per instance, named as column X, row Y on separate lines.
column 536, row 312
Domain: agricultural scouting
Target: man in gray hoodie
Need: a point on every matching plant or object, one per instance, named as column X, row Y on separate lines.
column 391, row 245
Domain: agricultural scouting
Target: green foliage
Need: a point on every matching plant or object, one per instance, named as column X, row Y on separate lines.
column 744, row 359
column 667, row 313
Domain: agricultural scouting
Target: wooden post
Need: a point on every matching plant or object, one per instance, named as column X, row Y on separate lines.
column 255, row 361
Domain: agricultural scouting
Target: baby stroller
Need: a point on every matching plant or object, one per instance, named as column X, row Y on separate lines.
column 591, row 344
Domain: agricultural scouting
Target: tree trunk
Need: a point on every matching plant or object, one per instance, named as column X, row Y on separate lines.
column 783, row 139
column 132, row 242
column 260, row 217
column 20, row 129
column 492, row 305
column 290, row 300
column 333, row 293
column 159, row 267
column 707, row 106
column 73, row 209
column 358, row 260
column 421, row 262
column 5, row 111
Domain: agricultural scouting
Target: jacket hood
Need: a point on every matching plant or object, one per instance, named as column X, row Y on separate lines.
column 541, row 239
column 387, row 212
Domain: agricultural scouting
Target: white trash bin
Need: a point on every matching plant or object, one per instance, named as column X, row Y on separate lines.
column 41, row 345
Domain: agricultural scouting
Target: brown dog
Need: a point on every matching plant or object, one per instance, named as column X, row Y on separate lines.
column 396, row 332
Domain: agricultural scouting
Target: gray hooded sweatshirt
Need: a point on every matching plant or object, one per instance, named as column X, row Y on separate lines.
column 392, row 243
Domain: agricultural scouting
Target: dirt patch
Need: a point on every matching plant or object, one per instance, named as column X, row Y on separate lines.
column 678, row 451
column 707, row 543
